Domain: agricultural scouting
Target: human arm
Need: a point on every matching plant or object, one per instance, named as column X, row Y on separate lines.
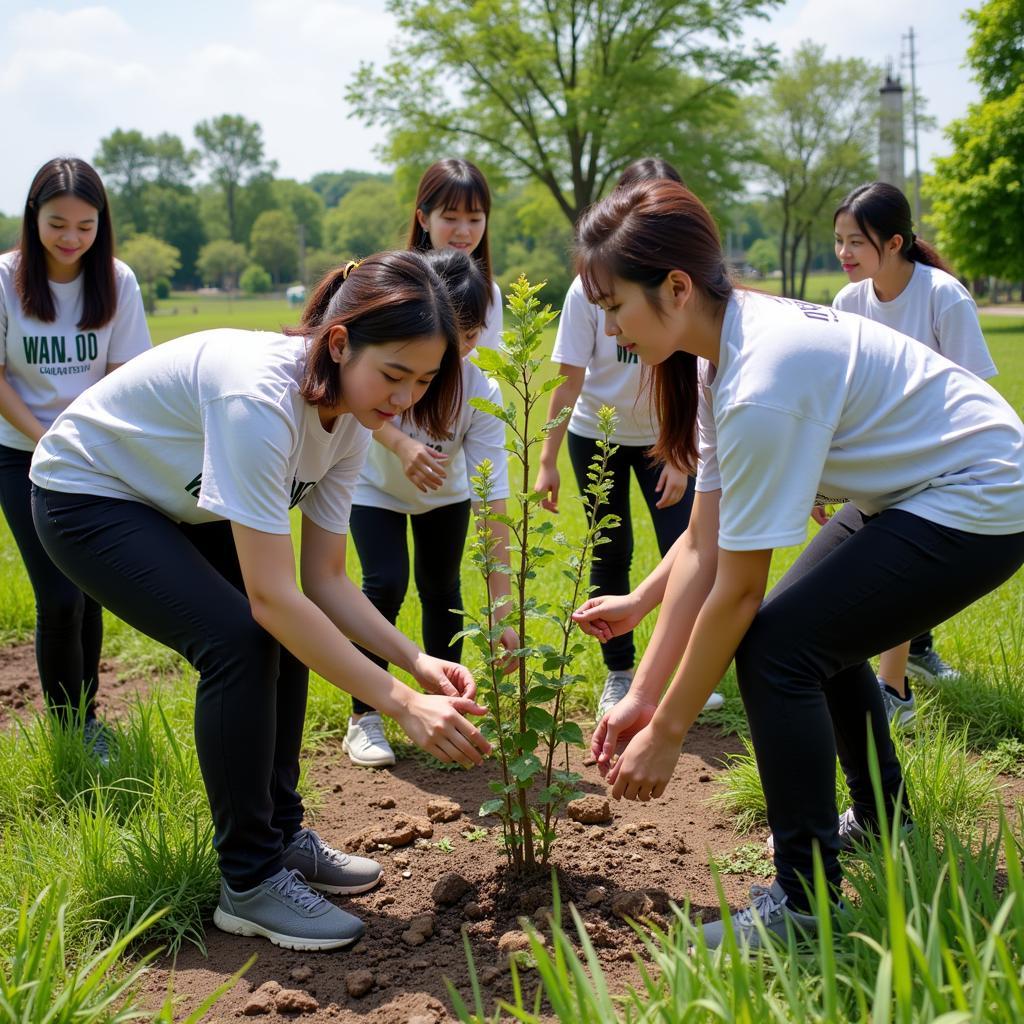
column 315, row 626
column 16, row 412
column 565, row 395
column 421, row 464
column 671, row 486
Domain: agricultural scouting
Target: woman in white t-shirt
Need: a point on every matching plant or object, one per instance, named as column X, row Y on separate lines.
column 69, row 314
column 164, row 492
column 901, row 281
column 793, row 401
column 598, row 372
column 411, row 480
column 453, row 210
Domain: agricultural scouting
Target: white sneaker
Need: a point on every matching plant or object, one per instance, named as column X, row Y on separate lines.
column 365, row 742
column 714, row 702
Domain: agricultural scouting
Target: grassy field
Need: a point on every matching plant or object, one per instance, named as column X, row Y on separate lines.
column 937, row 939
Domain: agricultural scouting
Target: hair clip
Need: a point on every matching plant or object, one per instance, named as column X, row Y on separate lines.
column 349, row 267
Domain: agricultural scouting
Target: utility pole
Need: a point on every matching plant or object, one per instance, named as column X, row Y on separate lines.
column 909, row 39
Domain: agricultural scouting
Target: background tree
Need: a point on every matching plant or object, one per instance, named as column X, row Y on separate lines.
column 151, row 259
column 255, row 280
column 332, row 186
column 233, row 151
column 124, row 159
column 274, row 244
column 558, row 90
column 10, row 231
column 977, row 192
column 369, row 218
column 220, row 262
column 817, row 122
column 173, row 165
column 305, row 205
column 763, row 256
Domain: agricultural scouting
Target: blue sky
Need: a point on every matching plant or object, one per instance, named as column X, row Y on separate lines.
column 71, row 71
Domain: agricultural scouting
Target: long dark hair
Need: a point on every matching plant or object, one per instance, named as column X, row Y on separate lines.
column 882, row 211
column 640, row 233
column 648, row 168
column 392, row 296
column 60, row 177
column 466, row 284
column 448, row 185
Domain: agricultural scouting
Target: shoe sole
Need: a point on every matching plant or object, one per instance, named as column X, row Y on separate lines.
column 239, row 926
column 362, row 762
column 345, row 890
column 924, row 676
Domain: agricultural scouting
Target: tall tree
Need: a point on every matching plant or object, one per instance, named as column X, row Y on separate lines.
column 564, row 91
column 125, row 159
column 233, row 151
column 817, row 122
column 274, row 244
column 220, row 262
column 151, row 259
column 173, row 164
column 977, row 192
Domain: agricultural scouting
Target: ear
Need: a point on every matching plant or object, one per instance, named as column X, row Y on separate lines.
column 894, row 245
column 423, row 220
column 679, row 288
column 337, row 342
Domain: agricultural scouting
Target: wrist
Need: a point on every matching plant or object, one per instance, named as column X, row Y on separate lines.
column 667, row 729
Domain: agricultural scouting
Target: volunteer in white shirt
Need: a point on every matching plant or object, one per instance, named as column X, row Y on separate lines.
column 453, row 210
column 69, row 314
column 164, row 492
column 901, row 281
column 598, row 372
column 793, row 401
column 413, row 480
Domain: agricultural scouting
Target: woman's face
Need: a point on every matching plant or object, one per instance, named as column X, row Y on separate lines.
column 637, row 326
column 452, row 228
column 67, row 229
column 468, row 340
column 854, row 250
column 380, row 382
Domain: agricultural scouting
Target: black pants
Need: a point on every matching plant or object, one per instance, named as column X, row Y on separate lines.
column 803, row 669
column 69, row 624
column 182, row 585
column 609, row 571
column 439, row 537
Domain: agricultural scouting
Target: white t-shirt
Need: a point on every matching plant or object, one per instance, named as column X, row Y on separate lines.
column 490, row 333
column 612, row 377
column 935, row 309
column 809, row 401
column 48, row 365
column 477, row 436
column 209, row 426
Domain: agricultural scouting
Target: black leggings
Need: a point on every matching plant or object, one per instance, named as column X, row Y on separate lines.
column 182, row 585
column 439, row 537
column 69, row 624
column 803, row 670
column 609, row 571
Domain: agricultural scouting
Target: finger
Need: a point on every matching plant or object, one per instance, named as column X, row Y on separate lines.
column 658, row 790
column 662, row 476
column 438, row 751
column 437, row 456
column 445, row 686
column 463, row 750
column 620, row 781
column 611, row 738
column 597, row 740
column 472, row 740
column 468, row 706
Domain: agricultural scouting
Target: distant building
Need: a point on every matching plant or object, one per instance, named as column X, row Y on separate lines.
column 891, row 168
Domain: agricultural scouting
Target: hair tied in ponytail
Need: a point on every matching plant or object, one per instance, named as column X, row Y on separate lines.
column 349, row 267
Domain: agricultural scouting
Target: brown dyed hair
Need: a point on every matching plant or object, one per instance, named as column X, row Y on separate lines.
column 60, row 177
column 882, row 211
column 392, row 296
column 640, row 233
column 451, row 184
column 648, row 168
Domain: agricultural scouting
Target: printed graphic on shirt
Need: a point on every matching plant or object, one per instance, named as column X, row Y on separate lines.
column 299, row 489
column 50, row 352
column 622, row 356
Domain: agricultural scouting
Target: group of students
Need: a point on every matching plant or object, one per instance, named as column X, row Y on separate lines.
column 162, row 491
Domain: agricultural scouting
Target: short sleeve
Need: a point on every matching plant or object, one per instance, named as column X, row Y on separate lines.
column 129, row 333
column 771, row 463
column 708, row 477
column 485, row 439
column 490, row 336
column 247, row 446
column 329, row 503
column 3, row 323
column 961, row 340
column 576, row 339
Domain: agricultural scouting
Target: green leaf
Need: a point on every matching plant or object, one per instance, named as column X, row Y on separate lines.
column 489, row 807
column 539, row 719
column 569, row 732
column 525, row 767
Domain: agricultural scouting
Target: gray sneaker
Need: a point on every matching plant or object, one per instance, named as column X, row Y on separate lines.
column 900, row 710
column 285, row 910
column 616, row 686
column 97, row 740
column 330, row 870
column 931, row 668
column 852, row 834
column 770, row 906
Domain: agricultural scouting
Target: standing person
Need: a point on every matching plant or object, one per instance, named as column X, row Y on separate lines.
column 793, row 400
column 70, row 313
column 411, row 479
column 902, row 282
column 453, row 207
column 164, row 492
column 599, row 372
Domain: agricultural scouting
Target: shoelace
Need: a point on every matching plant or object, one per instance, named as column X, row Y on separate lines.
column 292, row 887
column 848, row 824
column 373, row 729
column 310, row 841
column 616, row 688
column 762, row 904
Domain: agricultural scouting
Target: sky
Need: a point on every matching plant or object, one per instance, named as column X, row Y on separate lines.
column 72, row 71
